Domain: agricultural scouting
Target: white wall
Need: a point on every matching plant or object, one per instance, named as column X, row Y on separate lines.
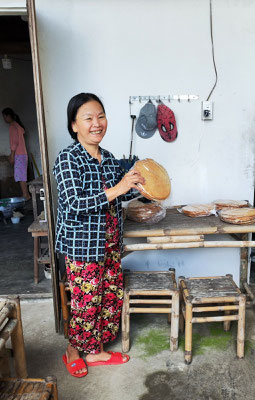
column 17, row 92
column 195, row 262
column 117, row 49
column 157, row 47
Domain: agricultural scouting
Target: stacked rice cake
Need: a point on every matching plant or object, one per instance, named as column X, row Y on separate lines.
column 239, row 216
column 221, row 204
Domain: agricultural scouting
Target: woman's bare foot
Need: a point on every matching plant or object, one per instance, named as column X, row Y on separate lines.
column 25, row 192
column 102, row 356
column 72, row 354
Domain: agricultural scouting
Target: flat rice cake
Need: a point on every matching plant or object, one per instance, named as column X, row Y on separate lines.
column 221, row 204
column 142, row 212
column 239, row 216
column 157, row 183
column 198, row 210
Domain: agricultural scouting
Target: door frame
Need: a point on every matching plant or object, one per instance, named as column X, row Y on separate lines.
column 44, row 157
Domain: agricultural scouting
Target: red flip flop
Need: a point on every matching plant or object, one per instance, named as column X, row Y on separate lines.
column 115, row 359
column 74, row 366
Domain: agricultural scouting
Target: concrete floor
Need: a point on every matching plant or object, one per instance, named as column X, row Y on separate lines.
column 153, row 372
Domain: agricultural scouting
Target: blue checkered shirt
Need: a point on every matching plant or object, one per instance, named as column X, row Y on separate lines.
column 82, row 202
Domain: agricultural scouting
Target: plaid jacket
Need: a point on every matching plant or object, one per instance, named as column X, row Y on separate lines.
column 82, row 202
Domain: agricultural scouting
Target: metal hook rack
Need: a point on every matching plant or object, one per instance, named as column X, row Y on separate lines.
column 179, row 97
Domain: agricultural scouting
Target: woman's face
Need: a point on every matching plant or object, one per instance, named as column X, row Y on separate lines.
column 90, row 123
column 7, row 118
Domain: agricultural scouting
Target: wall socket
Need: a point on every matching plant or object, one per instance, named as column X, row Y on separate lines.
column 207, row 110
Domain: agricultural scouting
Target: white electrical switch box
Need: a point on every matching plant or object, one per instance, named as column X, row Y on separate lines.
column 207, row 110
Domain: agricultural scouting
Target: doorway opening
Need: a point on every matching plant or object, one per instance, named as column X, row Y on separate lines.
column 17, row 92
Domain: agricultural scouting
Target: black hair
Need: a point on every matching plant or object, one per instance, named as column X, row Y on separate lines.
column 9, row 111
column 73, row 106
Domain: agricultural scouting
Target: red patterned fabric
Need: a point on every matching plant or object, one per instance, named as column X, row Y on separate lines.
column 96, row 294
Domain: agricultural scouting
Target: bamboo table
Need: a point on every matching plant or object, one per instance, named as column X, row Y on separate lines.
column 178, row 231
column 39, row 229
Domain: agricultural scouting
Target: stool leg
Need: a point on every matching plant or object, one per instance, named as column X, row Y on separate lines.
column 188, row 333
column 181, row 320
column 17, row 341
column 226, row 324
column 51, row 381
column 181, row 317
column 36, row 255
column 125, row 325
column 174, row 322
column 172, row 273
column 4, row 363
column 241, row 327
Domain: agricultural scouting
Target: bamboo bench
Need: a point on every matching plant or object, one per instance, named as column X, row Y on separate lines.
column 32, row 389
column 11, row 327
column 207, row 295
column 150, row 292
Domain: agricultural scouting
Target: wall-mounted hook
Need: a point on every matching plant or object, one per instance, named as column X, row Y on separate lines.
column 160, row 98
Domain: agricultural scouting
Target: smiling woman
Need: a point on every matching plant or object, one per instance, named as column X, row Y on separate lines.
column 91, row 187
column 90, row 124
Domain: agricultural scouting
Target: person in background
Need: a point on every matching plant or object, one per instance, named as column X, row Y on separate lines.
column 18, row 156
column 91, row 187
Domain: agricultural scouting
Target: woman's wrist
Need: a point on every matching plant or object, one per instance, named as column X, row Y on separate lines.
column 113, row 192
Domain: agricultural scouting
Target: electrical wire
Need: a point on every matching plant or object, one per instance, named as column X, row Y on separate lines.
column 215, row 69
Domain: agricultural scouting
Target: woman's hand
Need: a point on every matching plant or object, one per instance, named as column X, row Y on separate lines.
column 11, row 159
column 129, row 181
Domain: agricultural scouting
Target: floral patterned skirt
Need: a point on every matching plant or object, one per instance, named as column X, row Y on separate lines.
column 96, row 294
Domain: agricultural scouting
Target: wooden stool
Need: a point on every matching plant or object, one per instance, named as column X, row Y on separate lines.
column 11, row 326
column 200, row 295
column 24, row 389
column 150, row 292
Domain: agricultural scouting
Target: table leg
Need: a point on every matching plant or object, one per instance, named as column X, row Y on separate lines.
column 34, row 203
column 36, row 255
column 243, row 262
